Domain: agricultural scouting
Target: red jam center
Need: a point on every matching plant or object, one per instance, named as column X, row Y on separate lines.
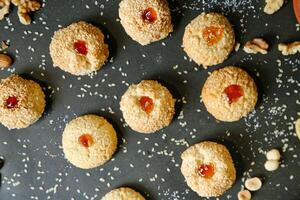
column 11, row 102
column 213, row 34
column 146, row 104
column 149, row 15
column 86, row 140
column 206, row 170
column 80, row 47
column 233, row 93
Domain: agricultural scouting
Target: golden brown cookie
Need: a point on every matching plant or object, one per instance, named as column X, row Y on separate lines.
column 22, row 102
column 146, row 21
column 148, row 106
column 123, row 193
column 208, row 168
column 89, row 141
column 79, row 48
column 208, row 39
column 229, row 94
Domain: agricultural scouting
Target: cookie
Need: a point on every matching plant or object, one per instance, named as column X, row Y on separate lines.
column 79, row 49
column 22, row 102
column 229, row 94
column 148, row 106
column 123, row 193
column 146, row 21
column 89, row 141
column 208, row 169
column 209, row 39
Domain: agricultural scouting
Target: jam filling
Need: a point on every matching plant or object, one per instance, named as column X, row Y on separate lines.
column 206, row 170
column 11, row 102
column 80, row 47
column 149, row 15
column 146, row 104
column 233, row 93
column 213, row 34
column 86, row 140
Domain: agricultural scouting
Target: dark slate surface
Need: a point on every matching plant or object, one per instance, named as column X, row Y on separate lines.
column 35, row 167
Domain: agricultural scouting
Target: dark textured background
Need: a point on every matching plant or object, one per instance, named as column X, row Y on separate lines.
column 34, row 164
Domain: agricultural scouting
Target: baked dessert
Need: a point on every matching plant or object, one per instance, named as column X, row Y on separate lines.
column 89, row 141
column 79, row 48
column 22, row 102
column 209, row 39
column 148, row 106
column 123, row 193
column 146, row 21
column 229, row 94
column 208, row 169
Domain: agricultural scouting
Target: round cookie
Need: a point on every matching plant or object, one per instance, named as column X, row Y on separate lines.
column 146, row 21
column 79, row 49
column 208, row 39
column 208, row 169
column 229, row 94
column 123, row 193
column 147, row 106
column 89, row 141
column 22, row 102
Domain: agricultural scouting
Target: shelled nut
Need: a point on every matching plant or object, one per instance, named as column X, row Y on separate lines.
column 297, row 126
column 256, row 45
column 5, row 61
column 4, row 8
column 244, row 195
column 24, row 8
column 289, row 49
column 273, row 6
column 272, row 165
column 253, row 184
column 273, row 154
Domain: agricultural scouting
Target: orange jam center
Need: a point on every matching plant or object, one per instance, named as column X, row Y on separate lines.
column 146, row 104
column 233, row 93
column 213, row 34
column 206, row 170
column 11, row 102
column 149, row 15
column 80, row 47
column 86, row 140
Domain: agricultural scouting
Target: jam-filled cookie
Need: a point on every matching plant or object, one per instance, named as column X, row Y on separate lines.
column 146, row 21
column 22, row 102
column 147, row 106
column 208, row 39
column 208, row 168
column 89, row 141
column 79, row 48
column 123, row 193
column 229, row 94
